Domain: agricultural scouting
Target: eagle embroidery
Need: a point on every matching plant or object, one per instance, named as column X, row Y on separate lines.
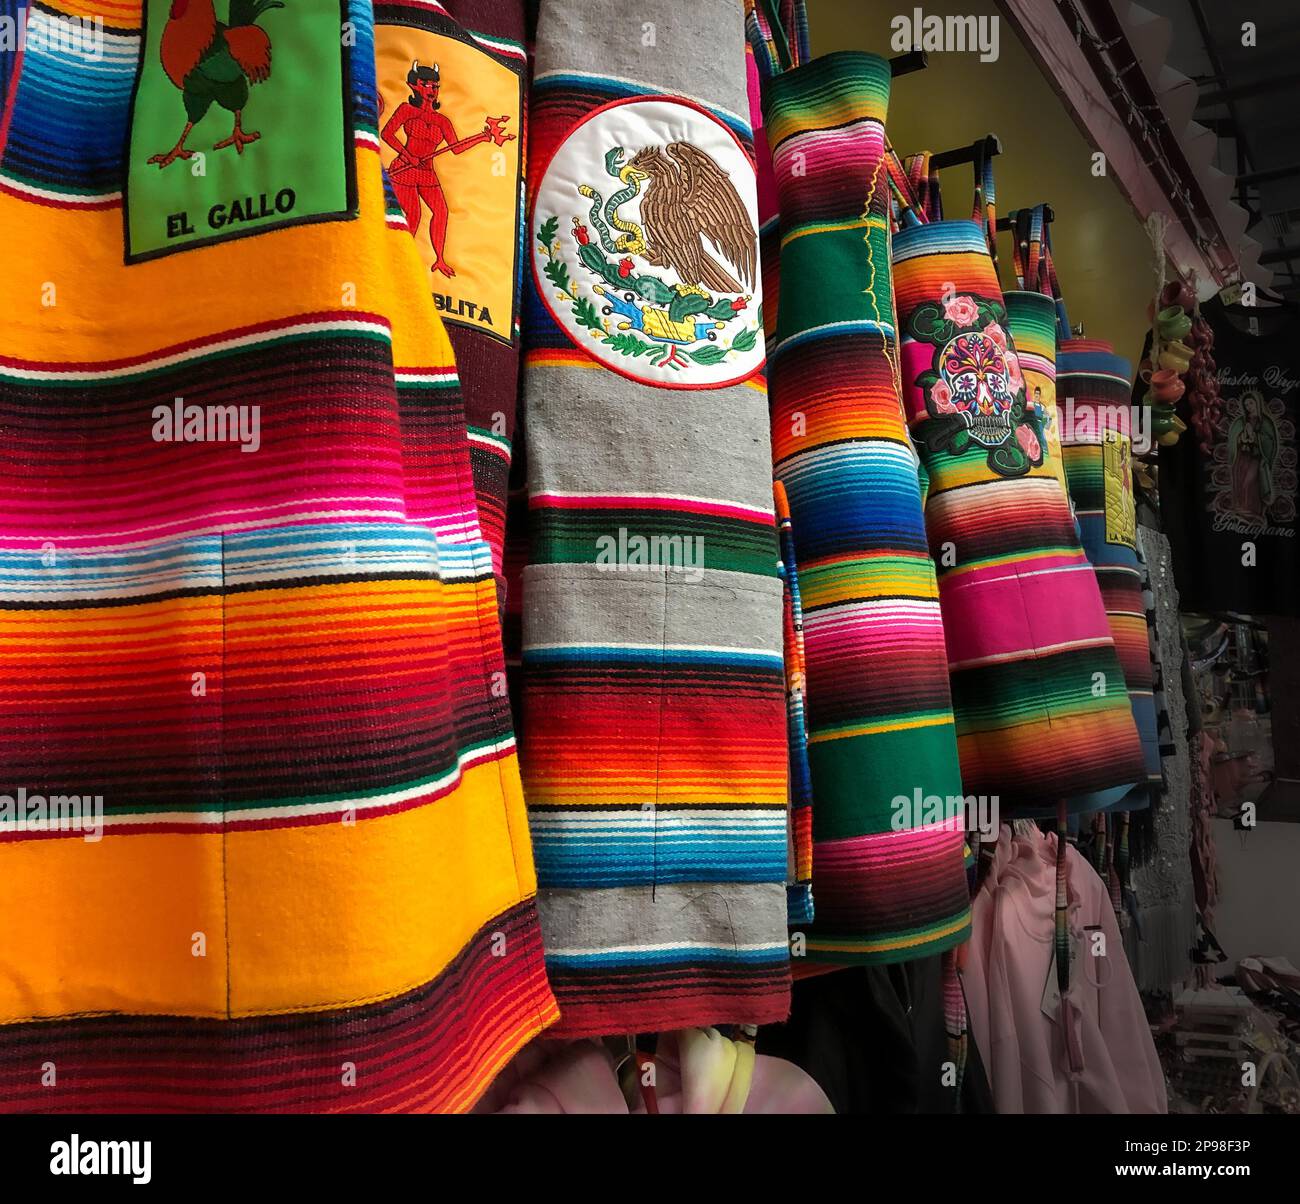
column 688, row 198
column 665, row 253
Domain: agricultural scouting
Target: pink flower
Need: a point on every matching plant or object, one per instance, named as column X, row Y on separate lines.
column 961, row 310
column 1028, row 442
column 941, row 395
column 996, row 335
column 1014, row 379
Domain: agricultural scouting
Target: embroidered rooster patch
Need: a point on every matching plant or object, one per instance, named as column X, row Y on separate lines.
column 239, row 123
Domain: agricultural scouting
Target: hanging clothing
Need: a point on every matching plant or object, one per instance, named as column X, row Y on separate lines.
column 1036, row 318
column 1163, row 933
column 1034, row 314
column 761, row 59
column 470, row 237
column 653, row 711
column 1097, row 442
column 1031, row 323
column 270, row 654
column 1089, row 1050
column 874, row 1038
column 1032, row 661
column 888, row 877
column 799, row 895
column 1230, row 509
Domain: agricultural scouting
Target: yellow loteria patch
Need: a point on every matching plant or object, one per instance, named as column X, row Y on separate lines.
column 1117, row 472
column 450, row 129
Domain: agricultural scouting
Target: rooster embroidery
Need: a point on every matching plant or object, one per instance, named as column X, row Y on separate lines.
column 211, row 62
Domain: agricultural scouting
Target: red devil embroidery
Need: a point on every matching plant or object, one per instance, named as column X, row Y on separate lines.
column 429, row 134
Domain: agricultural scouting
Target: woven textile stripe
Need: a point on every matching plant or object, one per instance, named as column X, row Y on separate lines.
column 653, row 724
column 1031, row 322
column 275, row 659
column 1097, row 383
column 796, row 677
column 45, row 120
column 1032, row 659
column 465, row 1021
column 760, row 63
column 879, row 718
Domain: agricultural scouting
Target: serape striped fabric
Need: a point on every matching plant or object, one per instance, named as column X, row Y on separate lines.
column 1097, row 438
column 1041, row 710
column 1035, row 315
column 888, row 885
column 653, row 704
column 1031, row 323
column 799, row 890
column 312, row 889
column 762, row 58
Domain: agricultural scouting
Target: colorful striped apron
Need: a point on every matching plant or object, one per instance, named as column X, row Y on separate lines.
column 888, row 878
column 1041, row 710
column 312, row 889
column 1096, row 435
column 479, row 47
column 654, row 742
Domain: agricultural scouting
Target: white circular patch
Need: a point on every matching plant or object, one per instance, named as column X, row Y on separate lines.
column 644, row 236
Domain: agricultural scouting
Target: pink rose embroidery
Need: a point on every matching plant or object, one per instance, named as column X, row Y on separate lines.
column 1028, row 442
column 961, row 310
column 941, row 395
column 1014, row 379
column 997, row 335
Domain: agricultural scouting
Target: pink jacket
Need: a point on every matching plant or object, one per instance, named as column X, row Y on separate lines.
column 1006, row 979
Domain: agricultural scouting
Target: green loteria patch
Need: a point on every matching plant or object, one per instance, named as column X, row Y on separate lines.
column 240, row 123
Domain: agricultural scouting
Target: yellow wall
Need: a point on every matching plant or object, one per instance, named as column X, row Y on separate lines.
column 1104, row 258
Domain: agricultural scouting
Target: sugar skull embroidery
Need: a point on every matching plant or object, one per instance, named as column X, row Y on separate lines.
column 975, row 379
column 974, row 391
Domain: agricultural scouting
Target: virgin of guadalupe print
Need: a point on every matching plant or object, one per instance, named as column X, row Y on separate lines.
column 1253, row 475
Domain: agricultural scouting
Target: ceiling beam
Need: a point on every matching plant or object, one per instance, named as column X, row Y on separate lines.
column 1244, row 149
column 1085, row 83
column 1273, row 173
column 1118, row 61
column 1281, row 253
column 1256, row 87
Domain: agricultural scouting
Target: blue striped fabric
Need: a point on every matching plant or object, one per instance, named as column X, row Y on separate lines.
column 597, row 850
column 684, row 953
column 69, row 119
column 13, row 14
column 539, row 655
column 874, row 490
column 201, row 563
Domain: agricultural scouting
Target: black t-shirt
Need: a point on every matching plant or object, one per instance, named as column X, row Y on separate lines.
column 1231, row 516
